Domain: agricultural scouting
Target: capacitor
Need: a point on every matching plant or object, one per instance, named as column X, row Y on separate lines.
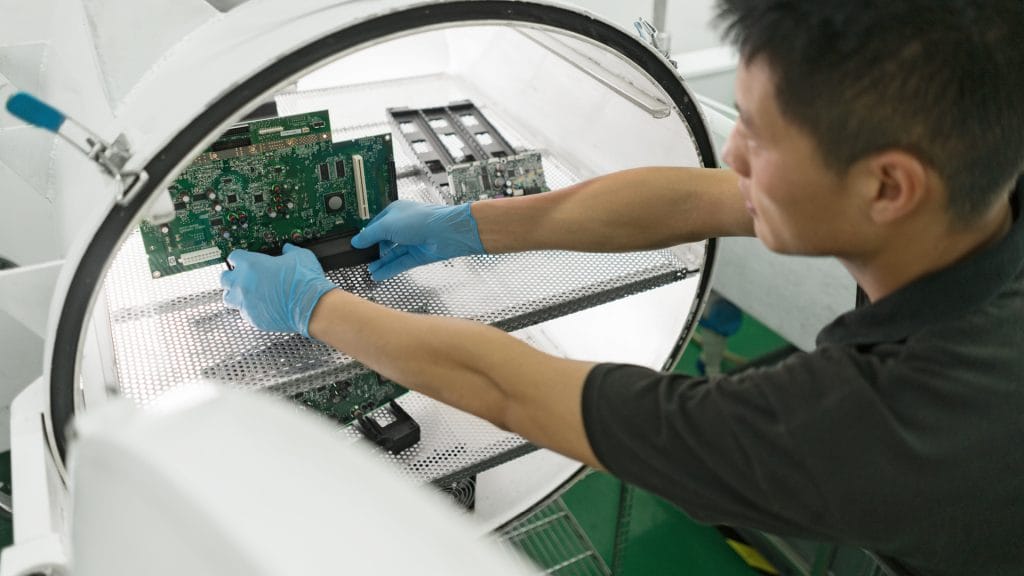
column 217, row 207
column 290, row 205
column 165, row 229
column 226, row 235
column 272, row 213
column 210, row 193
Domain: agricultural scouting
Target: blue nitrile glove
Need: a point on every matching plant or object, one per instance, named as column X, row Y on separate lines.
column 275, row 293
column 411, row 234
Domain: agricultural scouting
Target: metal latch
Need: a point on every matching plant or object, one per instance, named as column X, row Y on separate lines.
column 649, row 33
column 111, row 158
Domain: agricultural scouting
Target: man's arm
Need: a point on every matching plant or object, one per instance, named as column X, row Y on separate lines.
column 474, row 367
column 643, row 208
column 638, row 209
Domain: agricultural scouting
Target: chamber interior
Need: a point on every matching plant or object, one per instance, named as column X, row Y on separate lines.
column 586, row 111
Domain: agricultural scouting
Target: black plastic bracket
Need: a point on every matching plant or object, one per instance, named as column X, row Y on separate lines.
column 396, row 436
column 337, row 252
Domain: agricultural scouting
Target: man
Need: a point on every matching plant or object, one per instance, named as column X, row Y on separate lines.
column 887, row 134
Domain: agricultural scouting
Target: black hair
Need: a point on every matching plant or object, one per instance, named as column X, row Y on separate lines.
column 940, row 79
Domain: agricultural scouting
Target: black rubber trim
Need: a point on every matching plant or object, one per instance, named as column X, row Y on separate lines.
column 706, row 273
column 82, row 288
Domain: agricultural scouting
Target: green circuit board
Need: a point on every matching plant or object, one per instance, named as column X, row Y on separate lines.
column 497, row 178
column 346, row 400
column 268, row 182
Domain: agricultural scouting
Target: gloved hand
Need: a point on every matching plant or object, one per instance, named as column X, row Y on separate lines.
column 275, row 293
column 411, row 234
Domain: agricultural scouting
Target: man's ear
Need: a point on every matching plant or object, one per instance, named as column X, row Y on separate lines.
column 899, row 185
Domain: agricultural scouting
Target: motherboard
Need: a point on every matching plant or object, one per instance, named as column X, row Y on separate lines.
column 502, row 177
column 346, row 400
column 268, row 182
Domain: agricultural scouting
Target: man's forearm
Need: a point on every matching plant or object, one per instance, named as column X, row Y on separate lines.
column 638, row 209
column 471, row 366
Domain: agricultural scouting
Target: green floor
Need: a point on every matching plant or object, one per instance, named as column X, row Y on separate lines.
column 656, row 537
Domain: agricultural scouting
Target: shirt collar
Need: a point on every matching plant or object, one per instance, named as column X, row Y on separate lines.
column 946, row 293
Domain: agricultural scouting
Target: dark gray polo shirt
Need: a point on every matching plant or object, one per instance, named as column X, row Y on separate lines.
column 902, row 433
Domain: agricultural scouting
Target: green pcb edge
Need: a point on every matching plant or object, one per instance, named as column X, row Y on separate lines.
column 347, row 399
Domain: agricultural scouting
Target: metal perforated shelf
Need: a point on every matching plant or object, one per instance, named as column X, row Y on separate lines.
column 173, row 330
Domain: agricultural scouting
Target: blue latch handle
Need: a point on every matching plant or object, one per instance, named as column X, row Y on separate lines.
column 34, row 111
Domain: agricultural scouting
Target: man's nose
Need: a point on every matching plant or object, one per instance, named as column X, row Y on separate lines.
column 735, row 155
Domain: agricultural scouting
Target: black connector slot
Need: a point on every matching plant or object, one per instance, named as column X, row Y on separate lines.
column 396, row 436
column 229, row 143
column 393, row 192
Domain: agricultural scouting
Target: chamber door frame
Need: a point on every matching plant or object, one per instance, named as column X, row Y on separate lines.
column 84, row 285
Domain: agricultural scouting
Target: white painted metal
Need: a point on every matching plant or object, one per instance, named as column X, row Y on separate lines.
column 41, row 500
column 207, row 478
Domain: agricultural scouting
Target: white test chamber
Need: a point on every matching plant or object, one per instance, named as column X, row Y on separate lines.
column 592, row 98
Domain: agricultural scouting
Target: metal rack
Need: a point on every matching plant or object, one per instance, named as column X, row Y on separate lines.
column 555, row 542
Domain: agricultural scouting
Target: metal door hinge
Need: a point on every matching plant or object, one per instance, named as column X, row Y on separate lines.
column 660, row 41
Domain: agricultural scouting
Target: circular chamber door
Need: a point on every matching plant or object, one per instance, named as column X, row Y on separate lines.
column 313, row 132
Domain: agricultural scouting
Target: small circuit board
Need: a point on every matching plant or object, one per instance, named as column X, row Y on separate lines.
column 346, row 400
column 496, row 178
column 268, row 182
column 464, row 156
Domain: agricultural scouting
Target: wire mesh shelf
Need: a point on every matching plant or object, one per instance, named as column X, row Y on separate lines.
column 555, row 542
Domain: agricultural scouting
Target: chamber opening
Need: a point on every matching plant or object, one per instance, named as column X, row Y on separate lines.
column 469, row 110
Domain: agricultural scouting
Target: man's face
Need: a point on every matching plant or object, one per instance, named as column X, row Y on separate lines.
column 799, row 206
